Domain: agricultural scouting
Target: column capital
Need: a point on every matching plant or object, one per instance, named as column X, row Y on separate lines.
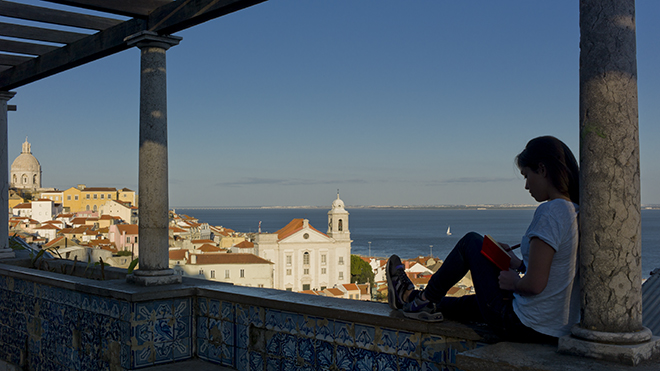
column 7, row 95
column 150, row 38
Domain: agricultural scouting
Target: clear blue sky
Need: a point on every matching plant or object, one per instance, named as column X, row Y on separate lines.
column 392, row 102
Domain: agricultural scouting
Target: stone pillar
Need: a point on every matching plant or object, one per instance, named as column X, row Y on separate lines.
column 5, row 251
column 153, row 176
column 610, row 207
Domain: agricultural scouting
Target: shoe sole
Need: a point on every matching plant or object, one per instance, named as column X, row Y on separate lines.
column 391, row 290
column 425, row 316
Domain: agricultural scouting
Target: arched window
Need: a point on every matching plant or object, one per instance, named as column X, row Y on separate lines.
column 14, row 179
column 340, row 225
column 25, row 179
column 34, row 179
column 95, row 208
column 306, row 258
column 87, row 207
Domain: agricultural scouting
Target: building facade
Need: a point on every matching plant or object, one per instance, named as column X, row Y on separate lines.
column 305, row 258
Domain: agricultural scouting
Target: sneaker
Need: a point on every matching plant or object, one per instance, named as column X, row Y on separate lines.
column 397, row 282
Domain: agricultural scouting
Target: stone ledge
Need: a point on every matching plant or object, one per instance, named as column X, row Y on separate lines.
column 507, row 356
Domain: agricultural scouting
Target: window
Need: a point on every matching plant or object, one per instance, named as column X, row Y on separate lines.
column 109, row 196
column 226, row 273
column 136, row 239
column 323, row 288
column 212, row 274
column 75, row 197
column 306, row 286
column 306, row 271
column 242, row 273
column 341, row 275
column 341, row 260
column 201, row 272
column 68, row 198
column 306, row 258
column 95, row 207
column 288, row 272
column 57, row 198
column 323, row 257
column 87, row 196
column 102, row 195
column 323, row 271
column 87, row 207
column 95, row 196
column 288, row 260
column 260, row 285
column 128, row 240
column 341, row 225
column 289, row 289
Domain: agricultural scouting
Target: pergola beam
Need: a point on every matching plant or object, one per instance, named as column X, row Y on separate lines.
column 54, row 16
column 40, row 34
column 25, row 48
column 130, row 8
column 167, row 19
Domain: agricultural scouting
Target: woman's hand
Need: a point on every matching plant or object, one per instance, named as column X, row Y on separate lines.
column 508, row 279
column 515, row 261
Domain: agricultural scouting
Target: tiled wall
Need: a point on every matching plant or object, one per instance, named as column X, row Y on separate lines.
column 50, row 328
column 44, row 327
column 257, row 338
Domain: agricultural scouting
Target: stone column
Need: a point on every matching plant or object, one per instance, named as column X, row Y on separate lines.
column 5, row 251
column 610, row 207
column 153, row 176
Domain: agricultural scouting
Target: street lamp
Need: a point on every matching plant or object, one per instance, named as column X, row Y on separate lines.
column 431, row 247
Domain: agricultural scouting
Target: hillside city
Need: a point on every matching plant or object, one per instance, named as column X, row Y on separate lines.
column 92, row 224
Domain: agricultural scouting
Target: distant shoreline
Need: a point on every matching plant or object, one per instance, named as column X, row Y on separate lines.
column 384, row 207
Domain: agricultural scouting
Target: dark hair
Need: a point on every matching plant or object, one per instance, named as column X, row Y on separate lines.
column 561, row 166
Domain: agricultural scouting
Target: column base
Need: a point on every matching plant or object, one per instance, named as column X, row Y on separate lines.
column 154, row 278
column 629, row 354
column 7, row 254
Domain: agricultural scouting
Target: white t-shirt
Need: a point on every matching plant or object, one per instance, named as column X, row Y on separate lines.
column 557, row 308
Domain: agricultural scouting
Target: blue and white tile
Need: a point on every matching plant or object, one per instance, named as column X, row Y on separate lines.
column 364, row 336
column 181, row 348
column 163, row 309
column 228, row 330
column 364, row 360
column 433, row 348
column 163, row 331
column 344, row 359
column 242, row 360
column 274, row 342
column 227, row 355
column 307, row 326
column 242, row 314
column 344, row 333
column 163, row 352
column 387, row 362
column 257, row 316
column 273, row 319
column 227, row 311
column 256, row 362
column 182, row 327
column 242, row 336
column 289, row 346
column 203, row 327
column 408, row 344
column 214, row 308
column 203, row 306
column 181, row 307
column 141, row 357
column 274, row 363
column 325, row 329
column 290, row 322
column 325, row 353
column 430, row 366
column 306, row 349
column 409, row 364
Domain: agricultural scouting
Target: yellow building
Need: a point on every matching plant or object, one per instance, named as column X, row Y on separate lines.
column 126, row 195
column 72, row 200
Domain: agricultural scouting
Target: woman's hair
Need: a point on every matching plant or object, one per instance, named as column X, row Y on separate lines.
column 561, row 166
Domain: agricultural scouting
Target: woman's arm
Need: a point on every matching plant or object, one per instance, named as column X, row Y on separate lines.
column 534, row 282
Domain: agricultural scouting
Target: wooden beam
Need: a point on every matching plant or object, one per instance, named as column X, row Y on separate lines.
column 40, row 34
column 13, row 60
column 24, row 48
column 179, row 15
column 11, row 107
column 60, row 17
column 85, row 50
column 130, row 8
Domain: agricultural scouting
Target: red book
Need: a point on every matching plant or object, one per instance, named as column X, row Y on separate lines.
column 495, row 253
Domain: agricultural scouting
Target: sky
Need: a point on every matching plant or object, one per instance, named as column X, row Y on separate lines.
column 389, row 102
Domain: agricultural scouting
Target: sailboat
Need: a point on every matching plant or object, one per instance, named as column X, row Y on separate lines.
column 448, row 231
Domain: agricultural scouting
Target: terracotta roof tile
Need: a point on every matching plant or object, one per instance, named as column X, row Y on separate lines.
column 294, row 226
column 245, row 245
column 179, row 254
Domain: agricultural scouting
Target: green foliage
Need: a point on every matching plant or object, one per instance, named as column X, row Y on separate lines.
column 132, row 266
column 361, row 271
column 124, row 253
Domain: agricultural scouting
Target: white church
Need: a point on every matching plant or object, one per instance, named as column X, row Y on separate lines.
column 305, row 258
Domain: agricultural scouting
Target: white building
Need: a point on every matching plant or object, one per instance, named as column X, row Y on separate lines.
column 44, row 209
column 239, row 269
column 307, row 259
column 125, row 211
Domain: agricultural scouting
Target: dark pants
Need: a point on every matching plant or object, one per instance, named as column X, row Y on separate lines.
column 490, row 304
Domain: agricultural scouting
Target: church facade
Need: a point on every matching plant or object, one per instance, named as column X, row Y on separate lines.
column 305, row 258
column 25, row 171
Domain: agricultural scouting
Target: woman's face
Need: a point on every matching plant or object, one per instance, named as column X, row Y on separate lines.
column 537, row 183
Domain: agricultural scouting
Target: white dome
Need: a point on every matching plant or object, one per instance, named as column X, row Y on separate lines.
column 25, row 162
column 338, row 203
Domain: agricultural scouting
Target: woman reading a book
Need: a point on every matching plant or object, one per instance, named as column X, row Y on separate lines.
column 541, row 305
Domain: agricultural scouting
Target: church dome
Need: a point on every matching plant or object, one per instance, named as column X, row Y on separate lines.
column 338, row 203
column 25, row 162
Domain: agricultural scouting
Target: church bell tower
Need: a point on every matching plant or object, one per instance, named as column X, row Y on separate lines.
column 338, row 221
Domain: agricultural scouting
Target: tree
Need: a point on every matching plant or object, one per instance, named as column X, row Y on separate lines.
column 361, row 271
